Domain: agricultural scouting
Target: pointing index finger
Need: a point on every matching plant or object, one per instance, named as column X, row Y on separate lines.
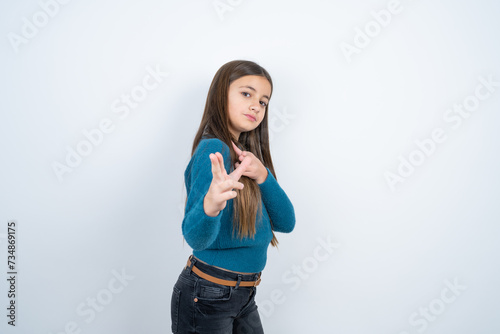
column 236, row 174
column 236, row 148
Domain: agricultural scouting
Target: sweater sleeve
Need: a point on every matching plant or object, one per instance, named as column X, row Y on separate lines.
column 278, row 205
column 199, row 229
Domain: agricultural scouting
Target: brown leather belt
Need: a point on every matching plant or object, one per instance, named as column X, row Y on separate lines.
column 219, row 280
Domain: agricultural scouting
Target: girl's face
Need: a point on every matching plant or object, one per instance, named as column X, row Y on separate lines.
column 248, row 97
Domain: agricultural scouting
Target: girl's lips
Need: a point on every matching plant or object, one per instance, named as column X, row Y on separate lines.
column 250, row 117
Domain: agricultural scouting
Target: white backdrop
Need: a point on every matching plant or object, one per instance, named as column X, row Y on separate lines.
column 384, row 133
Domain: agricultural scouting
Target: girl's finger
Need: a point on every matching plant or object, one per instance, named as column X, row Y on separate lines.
column 228, row 195
column 230, row 184
column 216, row 170
column 236, row 148
column 236, row 174
column 220, row 158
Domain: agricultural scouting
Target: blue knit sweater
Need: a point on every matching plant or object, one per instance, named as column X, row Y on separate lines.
column 212, row 238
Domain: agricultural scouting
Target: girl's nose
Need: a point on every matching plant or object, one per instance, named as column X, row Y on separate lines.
column 255, row 107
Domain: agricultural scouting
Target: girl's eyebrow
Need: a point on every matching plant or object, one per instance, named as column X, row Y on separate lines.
column 251, row 88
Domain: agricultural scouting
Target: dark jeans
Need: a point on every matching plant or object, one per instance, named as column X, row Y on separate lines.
column 200, row 306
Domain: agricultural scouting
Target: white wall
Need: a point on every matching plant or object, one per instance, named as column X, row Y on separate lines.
column 343, row 121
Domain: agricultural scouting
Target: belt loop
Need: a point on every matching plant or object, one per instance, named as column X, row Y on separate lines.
column 238, row 283
column 193, row 260
column 257, row 281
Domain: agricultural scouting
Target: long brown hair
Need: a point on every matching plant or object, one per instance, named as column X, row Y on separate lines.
column 215, row 123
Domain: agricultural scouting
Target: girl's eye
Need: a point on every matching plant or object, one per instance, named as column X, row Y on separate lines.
column 264, row 104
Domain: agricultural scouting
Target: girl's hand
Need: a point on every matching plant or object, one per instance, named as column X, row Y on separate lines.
column 221, row 188
column 255, row 169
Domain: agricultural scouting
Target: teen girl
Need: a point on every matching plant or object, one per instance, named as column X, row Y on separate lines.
column 233, row 206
